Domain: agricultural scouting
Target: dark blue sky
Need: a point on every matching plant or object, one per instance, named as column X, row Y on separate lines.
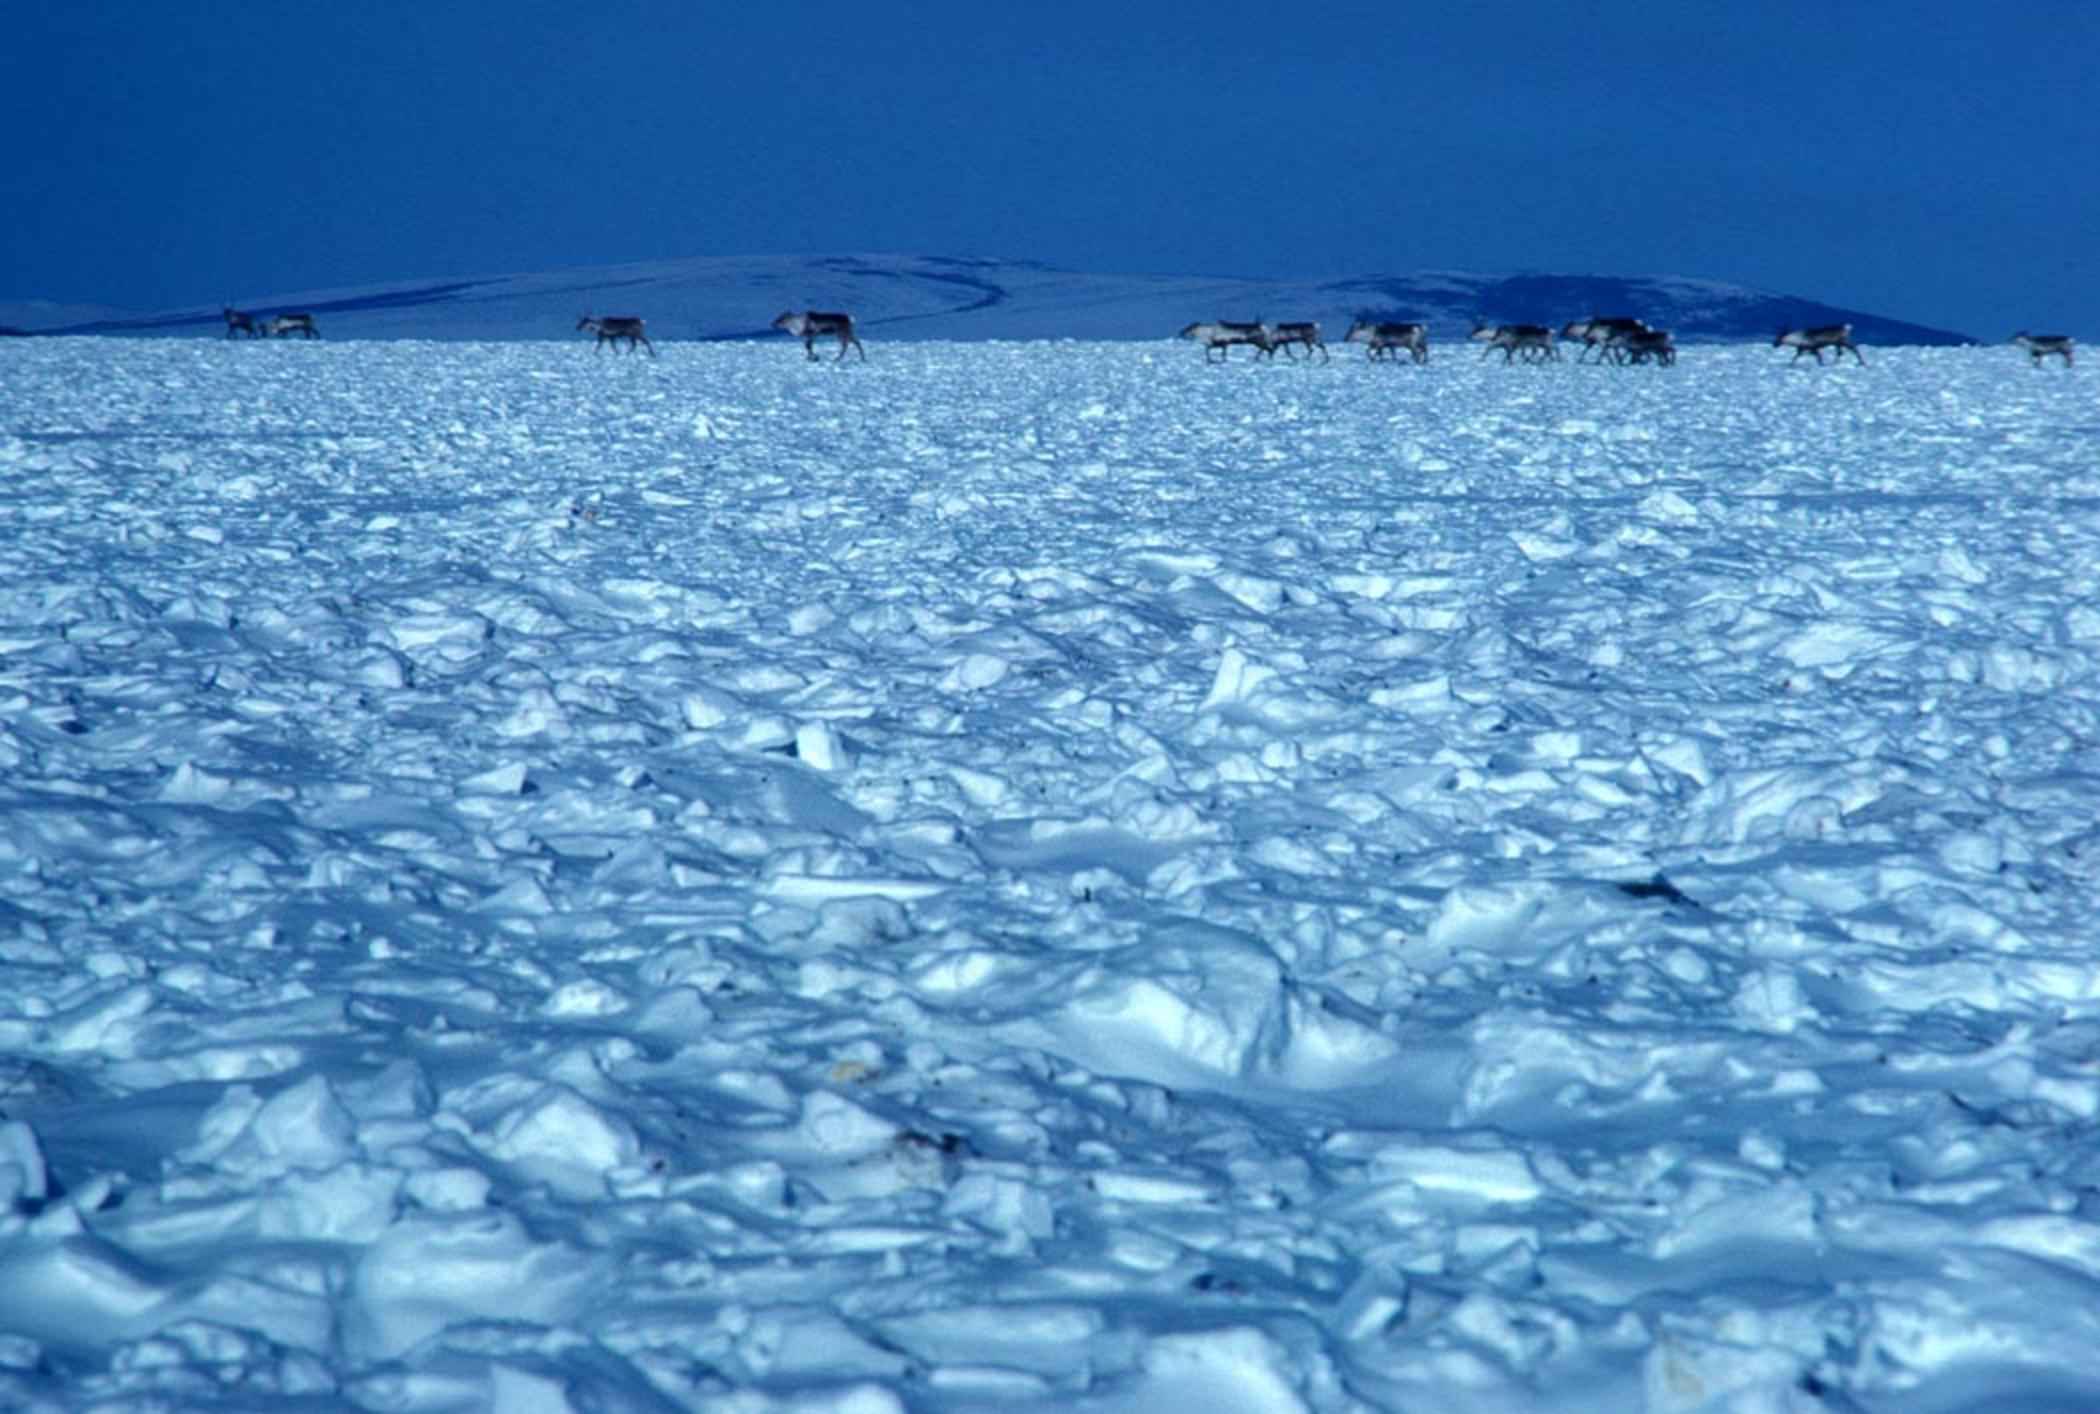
column 1933, row 161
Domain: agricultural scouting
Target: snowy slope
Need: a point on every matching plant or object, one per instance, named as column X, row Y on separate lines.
column 933, row 297
column 1028, row 877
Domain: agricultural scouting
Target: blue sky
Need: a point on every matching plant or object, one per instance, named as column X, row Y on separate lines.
column 1929, row 161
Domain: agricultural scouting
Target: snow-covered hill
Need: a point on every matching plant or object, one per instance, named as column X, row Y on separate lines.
column 949, row 297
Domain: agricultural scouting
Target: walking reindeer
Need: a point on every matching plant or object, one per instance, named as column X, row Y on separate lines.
column 1221, row 336
column 1814, row 341
column 1603, row 337
column 810, row 325
column 239, row 321
column 1288, row 336
column 2041, row 346
column 1533, row 341
column 1385, row 340
column 615, row 328
column 300, row 323
column 1642, row 345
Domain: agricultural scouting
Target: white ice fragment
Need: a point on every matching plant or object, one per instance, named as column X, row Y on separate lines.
column 1485, row 917
column 56, row 1291
column 706, row 708
column 375, row 667
column 498, row 780
column 520, row 896
column 1002, row 1205
column 2008, row 668
column 1543, row 548
column 980, row 788
column 1134, row 1186
column 22, row 1172
column 303, row 1126
column 1237, row 678
column 564, row 1141
column 429, row 1271
column 1773, row 1000
column 349, row 1203
column 1365, row 586
column 806, row 619
column 1955, row 562
column 1264, row 596
column 1687, row 966
column 835, row 1125
column 1683, row 755
column 413, row 632
column 189, row 784
column 587, row 997
column 1137, row 1011
column 1557, row 746
column 537, row 713
column 448, row 1190
column 975, row 672
column 1240, row 1368
column 1834, row 644
column 818, row 746
column 1034, row 1336
column 108, row 1023
column 1669, row 508
column 1971, row 852
column 1479, row 1174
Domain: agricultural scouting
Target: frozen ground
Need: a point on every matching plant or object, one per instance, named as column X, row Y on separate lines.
column 1029, row 876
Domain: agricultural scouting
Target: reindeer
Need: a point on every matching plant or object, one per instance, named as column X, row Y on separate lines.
column 2040, row 346
column 1534, row 341
column 1383, row 340
column 239, row 321
column 809, row 326
column 299, row 323
column 1640, row 345
column 1283, row 336
column 1814, row 341
column 1596, row 335
column 612, row 328
column 1219, row 338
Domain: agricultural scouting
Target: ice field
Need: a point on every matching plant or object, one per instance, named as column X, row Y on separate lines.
column 1028, row 876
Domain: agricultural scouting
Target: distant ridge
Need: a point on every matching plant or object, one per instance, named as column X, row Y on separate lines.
column 966, row 297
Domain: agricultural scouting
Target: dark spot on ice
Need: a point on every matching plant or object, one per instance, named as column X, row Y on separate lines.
column 1658, row 887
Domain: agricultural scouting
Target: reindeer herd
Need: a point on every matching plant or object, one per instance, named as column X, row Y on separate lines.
column 1618, row 340
column 1615, row 340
